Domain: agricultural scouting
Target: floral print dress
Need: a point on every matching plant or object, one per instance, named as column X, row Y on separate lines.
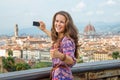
column 67, row 47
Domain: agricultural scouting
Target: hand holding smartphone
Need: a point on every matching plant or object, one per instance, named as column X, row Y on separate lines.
column 35, row 23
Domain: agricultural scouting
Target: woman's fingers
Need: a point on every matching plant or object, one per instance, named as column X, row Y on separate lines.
column 54, row 53
column 42, row 25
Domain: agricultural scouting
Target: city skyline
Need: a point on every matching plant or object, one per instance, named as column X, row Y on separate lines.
column 24, row 12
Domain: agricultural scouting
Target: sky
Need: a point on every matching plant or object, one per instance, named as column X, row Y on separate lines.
column 24, row 12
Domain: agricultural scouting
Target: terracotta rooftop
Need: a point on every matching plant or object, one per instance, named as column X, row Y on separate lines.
column 89, row 28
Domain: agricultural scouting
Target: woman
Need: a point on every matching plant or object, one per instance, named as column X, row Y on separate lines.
column 64, row 35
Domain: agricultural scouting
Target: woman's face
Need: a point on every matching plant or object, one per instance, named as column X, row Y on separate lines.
column 60, row 23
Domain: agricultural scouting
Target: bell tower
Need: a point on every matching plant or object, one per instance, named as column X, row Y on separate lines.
column 16, row 31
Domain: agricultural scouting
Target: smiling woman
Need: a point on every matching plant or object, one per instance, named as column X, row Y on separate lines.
column 63, row 52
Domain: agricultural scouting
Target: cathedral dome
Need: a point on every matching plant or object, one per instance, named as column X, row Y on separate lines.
column 89, row 28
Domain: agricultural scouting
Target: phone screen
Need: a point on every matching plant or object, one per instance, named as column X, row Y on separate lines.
column 35, row 23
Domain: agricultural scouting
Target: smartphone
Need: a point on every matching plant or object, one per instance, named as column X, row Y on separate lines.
column 35, row 23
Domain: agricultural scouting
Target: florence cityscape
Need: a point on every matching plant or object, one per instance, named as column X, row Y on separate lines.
column 25, row 47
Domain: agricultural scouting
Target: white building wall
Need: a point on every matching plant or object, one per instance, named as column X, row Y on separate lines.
column 3, row 53
column 17, row 53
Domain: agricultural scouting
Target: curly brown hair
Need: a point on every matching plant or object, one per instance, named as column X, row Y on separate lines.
column 70, row 30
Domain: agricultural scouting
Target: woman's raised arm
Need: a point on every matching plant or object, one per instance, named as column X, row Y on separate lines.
column 43, row 28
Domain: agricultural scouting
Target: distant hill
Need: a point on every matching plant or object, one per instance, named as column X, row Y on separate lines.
column 30, row 30
column 99, row 27
column 107, row 27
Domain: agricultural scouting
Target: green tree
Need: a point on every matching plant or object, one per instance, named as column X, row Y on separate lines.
column 9, row 62
column 22, row 66
column 10, row 65
column 115, row 55
column 80, row 60
column 10, row 52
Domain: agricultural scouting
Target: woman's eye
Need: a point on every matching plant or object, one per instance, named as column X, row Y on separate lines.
column 56, row 20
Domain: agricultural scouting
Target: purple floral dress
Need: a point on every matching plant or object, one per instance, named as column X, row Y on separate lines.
column 67, row 47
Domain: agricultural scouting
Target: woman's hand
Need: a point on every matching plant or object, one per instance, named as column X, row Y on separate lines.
column 42, row 26
column 54, row 53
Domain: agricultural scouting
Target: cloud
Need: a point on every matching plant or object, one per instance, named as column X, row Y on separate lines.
column 99, row 12
column 110, row 2
column 79, row 6
column 90, row 13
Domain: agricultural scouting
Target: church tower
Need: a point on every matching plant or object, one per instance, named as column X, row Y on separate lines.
column 16, row 31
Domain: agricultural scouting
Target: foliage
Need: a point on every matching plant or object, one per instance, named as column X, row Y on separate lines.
column 115, row 55
column 22, row 66
column 43, row 64
column 0, row 72
column 10, row 65
column 80, row 60
column 10, row 52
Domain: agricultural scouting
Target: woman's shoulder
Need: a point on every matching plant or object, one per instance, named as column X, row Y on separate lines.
column 67, row 42
column 67, row 39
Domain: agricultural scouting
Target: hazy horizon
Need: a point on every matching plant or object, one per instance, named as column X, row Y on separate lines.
column 24, row 12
